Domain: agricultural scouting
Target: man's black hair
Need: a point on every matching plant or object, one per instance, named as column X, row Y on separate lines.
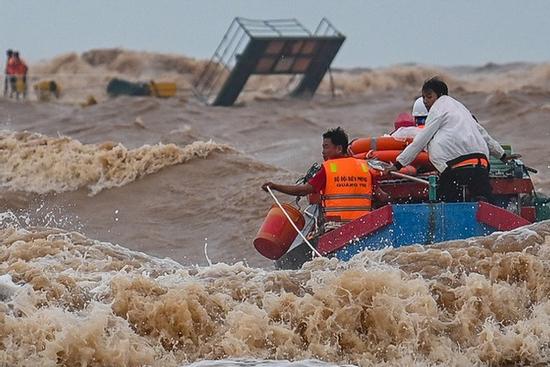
column 9, row 52
column 436, row 85
column 338, row 137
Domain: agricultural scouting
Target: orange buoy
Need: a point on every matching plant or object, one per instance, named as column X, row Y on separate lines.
column 360, row 155
column 379, row 175
column 363, row 145
column 390, row 156
column 276, row 233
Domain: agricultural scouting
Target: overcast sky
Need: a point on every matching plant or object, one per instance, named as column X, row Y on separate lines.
column 379, row 33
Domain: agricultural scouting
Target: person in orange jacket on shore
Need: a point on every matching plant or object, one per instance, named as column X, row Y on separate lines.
column 345, row 183
column 20, row 70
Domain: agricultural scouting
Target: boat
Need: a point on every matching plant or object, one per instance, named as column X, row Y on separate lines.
column 413, row 216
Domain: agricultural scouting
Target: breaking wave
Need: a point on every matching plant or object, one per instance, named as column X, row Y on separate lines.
column 89, row 73
column 490, row 79
column 134, row 63
column 86, row 74
column 67, row 299
column 70, row 300
column 36, row 163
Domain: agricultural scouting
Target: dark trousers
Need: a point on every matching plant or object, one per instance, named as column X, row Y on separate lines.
column 12, row 80
column 475, row 179
column 6, row 84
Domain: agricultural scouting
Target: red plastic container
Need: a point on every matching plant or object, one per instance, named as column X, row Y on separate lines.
column 276, row 233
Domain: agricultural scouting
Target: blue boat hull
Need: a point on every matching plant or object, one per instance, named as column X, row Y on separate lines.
column 407, row 224
column 421, row 224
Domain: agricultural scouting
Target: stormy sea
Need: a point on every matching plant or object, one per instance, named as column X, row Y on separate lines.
column 126, row 227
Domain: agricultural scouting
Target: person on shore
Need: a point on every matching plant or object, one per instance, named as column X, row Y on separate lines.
column 8, row 72
column 345, row 183
column 457, row 145
column 20, row 70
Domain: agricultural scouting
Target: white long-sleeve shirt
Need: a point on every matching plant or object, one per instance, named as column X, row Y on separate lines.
column 450, row 132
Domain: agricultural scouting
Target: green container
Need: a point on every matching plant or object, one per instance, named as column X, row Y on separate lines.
column 542, row 206
column 497, row 166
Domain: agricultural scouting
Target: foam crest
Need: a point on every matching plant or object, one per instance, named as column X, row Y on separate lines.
column 89, row 72
column 85, row 74
column 135, row 63
column 481, row 301
column 36, row 163
column 378, row 80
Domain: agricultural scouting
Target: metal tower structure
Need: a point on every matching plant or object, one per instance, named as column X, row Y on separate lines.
column 268, row 47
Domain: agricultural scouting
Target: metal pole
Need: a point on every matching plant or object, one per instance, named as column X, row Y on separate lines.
column 412, row 178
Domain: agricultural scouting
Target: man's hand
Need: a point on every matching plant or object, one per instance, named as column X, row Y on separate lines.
column 389, row 169
column 266, row 185
column 505, row 157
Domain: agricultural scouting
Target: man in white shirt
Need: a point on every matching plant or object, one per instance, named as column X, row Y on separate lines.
column 457, row 145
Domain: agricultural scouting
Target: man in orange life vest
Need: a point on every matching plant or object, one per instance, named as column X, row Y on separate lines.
column 345, row 183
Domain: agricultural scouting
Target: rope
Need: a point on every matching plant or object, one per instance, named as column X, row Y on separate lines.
column 292, row 222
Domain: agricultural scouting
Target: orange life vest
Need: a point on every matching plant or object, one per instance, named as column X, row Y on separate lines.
column 20, row 68
column 348, row 189
column 11, row 66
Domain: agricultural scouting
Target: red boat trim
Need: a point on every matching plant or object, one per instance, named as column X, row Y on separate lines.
column 410, row 190
column 498, row 218
column 404, row 190
column 360, row 227
column 503, row 186
column 529, row 213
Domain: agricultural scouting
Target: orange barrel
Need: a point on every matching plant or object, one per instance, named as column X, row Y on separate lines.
column 363, row 145
column 276, row 233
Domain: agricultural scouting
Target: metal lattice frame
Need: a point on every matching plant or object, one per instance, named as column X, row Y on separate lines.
column 276, row 46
